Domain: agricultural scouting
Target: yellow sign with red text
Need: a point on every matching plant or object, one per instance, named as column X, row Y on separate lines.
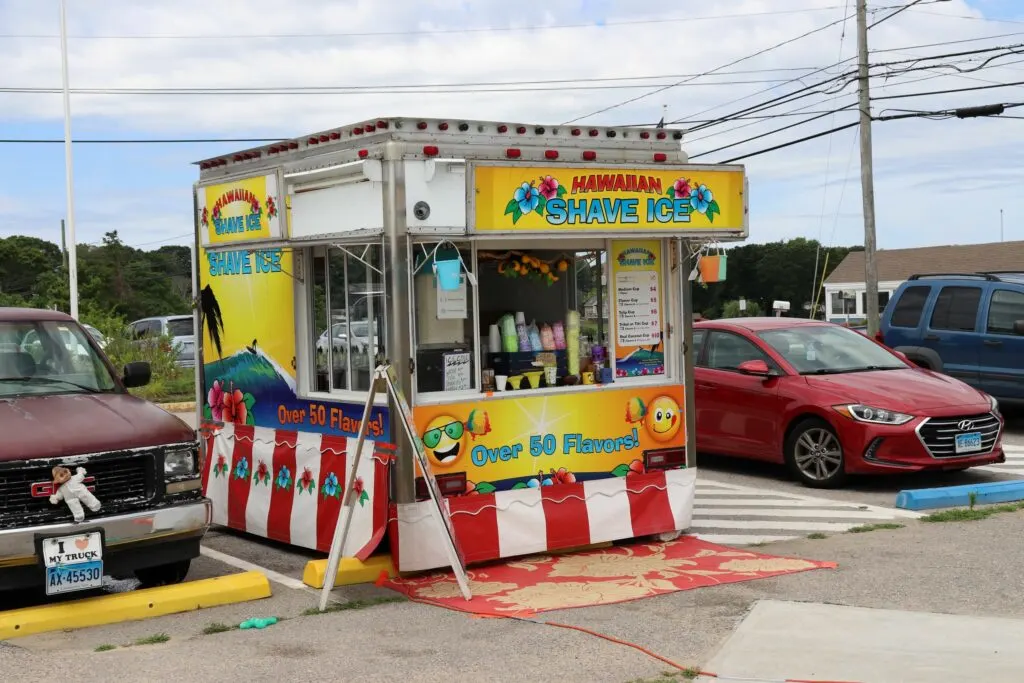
column 543, row 199
column 522, row 441
column 239, row 211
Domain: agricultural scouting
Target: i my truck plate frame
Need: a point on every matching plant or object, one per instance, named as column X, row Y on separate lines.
column 72, row 561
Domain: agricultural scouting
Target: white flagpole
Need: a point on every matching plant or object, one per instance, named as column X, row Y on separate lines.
column 68, row 169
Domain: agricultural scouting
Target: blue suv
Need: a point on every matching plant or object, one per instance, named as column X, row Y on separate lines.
column 968, row 326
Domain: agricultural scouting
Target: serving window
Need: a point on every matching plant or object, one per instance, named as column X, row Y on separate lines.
column 346, row 313
column 539, row 317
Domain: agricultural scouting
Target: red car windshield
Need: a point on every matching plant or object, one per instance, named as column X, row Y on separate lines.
column 49, row 357
column 826, row 350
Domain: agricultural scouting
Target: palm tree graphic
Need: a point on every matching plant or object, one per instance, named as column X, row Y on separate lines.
column 212, row 318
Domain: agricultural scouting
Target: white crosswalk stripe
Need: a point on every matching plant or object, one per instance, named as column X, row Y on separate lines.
column 740, row 515
column 1014, row 462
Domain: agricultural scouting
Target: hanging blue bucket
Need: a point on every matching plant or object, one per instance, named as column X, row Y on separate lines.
column 449, row 274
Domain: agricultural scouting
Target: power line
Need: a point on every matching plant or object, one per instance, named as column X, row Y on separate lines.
column 771, row 132
column 352, row 90
column 425, row 32
column 965, row 16
column 791, row 143
column 946, row 92
column 724, row 66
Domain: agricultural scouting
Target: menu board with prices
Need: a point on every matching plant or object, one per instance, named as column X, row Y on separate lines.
column 637, row 308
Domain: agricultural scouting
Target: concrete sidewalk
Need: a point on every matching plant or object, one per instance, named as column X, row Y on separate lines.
column 792, row 640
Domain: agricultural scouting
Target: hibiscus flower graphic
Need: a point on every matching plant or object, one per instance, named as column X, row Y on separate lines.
column 307, row 483
column 525, row 199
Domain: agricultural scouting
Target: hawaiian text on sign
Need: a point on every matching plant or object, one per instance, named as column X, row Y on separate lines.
column 244, row 262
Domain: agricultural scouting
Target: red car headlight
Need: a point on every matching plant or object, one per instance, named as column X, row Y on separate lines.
column 880, row 416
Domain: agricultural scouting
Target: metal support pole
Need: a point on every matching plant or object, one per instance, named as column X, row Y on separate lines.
column 68, row 168
column 867, row 182
column 399, row 314
column 687, row 264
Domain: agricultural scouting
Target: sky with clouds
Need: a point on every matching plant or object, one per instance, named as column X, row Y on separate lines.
column 936, row 181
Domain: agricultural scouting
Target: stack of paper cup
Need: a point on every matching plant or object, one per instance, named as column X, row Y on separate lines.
column 572, row 341
column 494, row 339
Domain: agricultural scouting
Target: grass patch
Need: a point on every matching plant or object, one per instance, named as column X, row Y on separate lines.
column 354, row 604
column 864, row 528
column 105, row 648
column 972, row 514
column 816, row 536
column 217, row 627
column 154, row 639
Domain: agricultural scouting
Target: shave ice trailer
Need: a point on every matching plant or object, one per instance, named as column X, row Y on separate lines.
column 528, row 285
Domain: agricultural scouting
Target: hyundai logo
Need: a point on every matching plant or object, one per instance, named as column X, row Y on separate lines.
column 965, row 425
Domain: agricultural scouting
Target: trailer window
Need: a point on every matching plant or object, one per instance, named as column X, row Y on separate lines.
column 444, row 322
column 347, row 316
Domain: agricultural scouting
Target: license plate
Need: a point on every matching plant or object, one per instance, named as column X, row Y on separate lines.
column 73, row 563
column 968, row 443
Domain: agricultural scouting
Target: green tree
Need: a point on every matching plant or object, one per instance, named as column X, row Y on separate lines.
column 731, row 309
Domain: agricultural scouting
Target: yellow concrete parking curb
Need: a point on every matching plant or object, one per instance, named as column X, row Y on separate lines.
column 184, row 407
column 350, row 571
column 140, row 604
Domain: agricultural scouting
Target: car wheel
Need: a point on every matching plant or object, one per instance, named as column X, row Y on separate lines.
column 815, row 456
column 164, row 575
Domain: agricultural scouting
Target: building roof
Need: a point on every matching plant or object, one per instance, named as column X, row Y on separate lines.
column 897, row 265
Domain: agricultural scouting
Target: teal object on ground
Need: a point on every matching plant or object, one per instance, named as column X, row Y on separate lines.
column 257, row 623
column 961, row 496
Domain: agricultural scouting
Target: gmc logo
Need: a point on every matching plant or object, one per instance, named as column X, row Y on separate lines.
column 44, row 489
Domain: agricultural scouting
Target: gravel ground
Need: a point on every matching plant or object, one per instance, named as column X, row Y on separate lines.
column 956, row 568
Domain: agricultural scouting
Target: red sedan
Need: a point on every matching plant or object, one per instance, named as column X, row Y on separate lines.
column 829, row 402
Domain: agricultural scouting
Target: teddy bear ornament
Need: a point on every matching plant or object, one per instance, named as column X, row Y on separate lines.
column 71, row 489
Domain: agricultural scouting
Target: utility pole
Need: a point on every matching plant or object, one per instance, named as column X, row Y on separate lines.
column 72, row 252
column 63, row 246
column 867, row 183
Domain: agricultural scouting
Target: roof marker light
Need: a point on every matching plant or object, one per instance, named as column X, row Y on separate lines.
column 592, row 133
column 370, row 128
column 324, row 138
column 644, row 135
column 660, row 156
column 589, row 155
column 576, row 131
column 610, row 133
column 539, row 130
column 678, row 135
column 358, row 130
column 431, row 150
column 363, row 153
column 382, row 125
column 513, row 153
column 293, row 145
column 442, row 126
column 422, row 125
column 313, row 141
column 335, row 135
column 521, row 130
column 503, row 128
column 463, row 127
column 551, row 154
column 661, row 135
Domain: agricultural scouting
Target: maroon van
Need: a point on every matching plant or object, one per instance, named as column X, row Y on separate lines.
column 94, row 482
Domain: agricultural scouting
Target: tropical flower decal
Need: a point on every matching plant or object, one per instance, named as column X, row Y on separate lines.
column 307, row 482
column 242, row 468
column 331, row 488
column 220, row 467
column 229, row 404
column 529, row 198
column 262, row 475
column 204, row 217
column 360, row 491
column 271, row 207
column 254, row 207
column 702, row 199
column 284, row 479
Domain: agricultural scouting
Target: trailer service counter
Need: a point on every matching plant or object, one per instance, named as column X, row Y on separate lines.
column 530, row 286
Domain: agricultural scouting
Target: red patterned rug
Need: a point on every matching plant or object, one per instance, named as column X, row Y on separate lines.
column 543, row 583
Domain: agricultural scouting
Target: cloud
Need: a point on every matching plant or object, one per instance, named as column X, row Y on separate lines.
column 364, row 45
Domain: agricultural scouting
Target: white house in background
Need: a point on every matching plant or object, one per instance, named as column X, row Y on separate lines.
column 845, row 299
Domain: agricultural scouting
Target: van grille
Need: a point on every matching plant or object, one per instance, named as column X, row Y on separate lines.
column 939, row 434
column 122, row 483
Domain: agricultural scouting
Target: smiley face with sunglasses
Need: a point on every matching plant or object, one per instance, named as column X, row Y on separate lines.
column 444, row 440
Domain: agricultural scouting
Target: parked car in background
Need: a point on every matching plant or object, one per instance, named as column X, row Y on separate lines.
column 66, row 412
column 968, row 326
column 830, row 402
column 181, row 330
column 95, row 334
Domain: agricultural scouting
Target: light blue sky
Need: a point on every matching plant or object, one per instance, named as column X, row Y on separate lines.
column 936, row 181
